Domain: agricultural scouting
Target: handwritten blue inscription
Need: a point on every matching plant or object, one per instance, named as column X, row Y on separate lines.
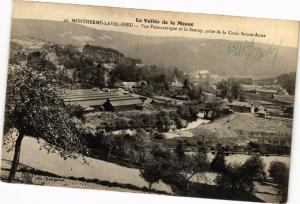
column 252, row 52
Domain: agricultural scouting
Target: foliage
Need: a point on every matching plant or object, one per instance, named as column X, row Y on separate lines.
column 121, row 123
column 151, row 172
column 179, row 151
column 224, row 87
column 233, row 179
column 176, row 118
column 229, row 88
column 121, row 73
column 217, row 108
column 288, row 82
column 90, row 74
column 158, row 136
column 16, row 54
column 134, row 149
column 163, row 121
column 186, row 84
column 89, row 64
column 195, row 93
column 76, row 111
column 165, row 159
column 235, row 89
column 254, row 168
column 240, row 178
column 147, row 119
column 34, row 108
column 191, row 165
column 279, row 172
column 187, row 113
column 218, row 163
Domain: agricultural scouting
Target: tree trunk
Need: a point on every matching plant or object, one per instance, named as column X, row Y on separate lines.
column 150, row 186
column 16, row 158
column 187, row 186
column 109, row 152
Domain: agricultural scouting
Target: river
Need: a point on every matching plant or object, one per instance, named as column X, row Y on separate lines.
column 196, row 123
column 183, row 132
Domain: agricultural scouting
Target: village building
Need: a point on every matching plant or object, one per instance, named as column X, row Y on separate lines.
column 266, row 92
column 140, row 65
column 261, row 113
column 249, row 88
column 276, row 112
column 276, row 87
column 242, row 107
column 203, row 77
column 95, row 100
column 285, row 99
column 265, row 82
column 204, row 74
column 122, row 104
column 209, row 96
column 129, row 85
column 264, row 105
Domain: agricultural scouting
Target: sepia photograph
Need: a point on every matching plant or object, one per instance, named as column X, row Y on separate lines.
column 154, row 102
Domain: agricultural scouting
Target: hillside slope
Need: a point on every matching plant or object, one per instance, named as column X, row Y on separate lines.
column 33, row 155
column 186, row 53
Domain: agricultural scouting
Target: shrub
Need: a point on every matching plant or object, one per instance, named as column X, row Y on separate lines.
column 76, row 111
column 254, row 168
column 279, row 172
column 159, row 136
column 218, row 163
column 151, row 172
column 234, row 180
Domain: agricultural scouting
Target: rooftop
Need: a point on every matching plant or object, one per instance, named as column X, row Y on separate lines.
column 125, row 102
column 289, row 99
column 239, row 103
column 91, row 98
column 266, row 91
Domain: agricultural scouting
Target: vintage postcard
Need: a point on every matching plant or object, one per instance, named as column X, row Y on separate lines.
column 154, row 102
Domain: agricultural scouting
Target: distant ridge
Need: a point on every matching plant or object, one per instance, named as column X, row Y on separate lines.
column 188, row 54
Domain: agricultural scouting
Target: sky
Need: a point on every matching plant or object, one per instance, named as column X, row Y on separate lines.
column 281, row 32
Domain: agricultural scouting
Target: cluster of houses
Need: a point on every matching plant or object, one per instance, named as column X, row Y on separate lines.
column 269, row 100
column 262, row 100
column 267, row 91
column 262, row 108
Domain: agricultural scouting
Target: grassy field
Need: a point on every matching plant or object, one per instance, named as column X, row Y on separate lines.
column 249, row 122
column 28, row 175
column 241, row 127
column 38, row 158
